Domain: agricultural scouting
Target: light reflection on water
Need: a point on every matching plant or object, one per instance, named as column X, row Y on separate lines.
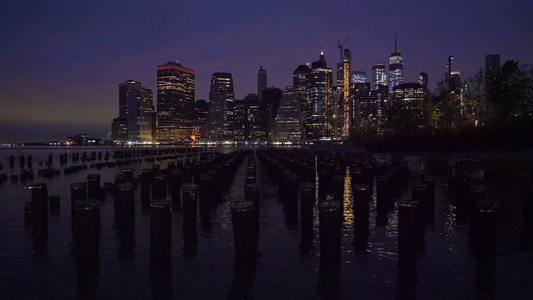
column 445, row 270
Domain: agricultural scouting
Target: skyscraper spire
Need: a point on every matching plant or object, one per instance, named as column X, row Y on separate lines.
column 395, row 41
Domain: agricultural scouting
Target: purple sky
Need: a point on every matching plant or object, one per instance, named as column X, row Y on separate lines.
column 61, row 61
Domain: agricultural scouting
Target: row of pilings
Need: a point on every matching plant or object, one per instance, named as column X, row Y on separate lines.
column 74, row 162
column 309, row 180
column 175, row 189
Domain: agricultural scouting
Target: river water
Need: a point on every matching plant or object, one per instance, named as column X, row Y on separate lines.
column 445, row 270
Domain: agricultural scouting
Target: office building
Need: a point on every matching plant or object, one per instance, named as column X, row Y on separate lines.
column 345, row 107
column 250, row 121
column 136, row 107
column 320, row 96
column 175, row 101
column 379, row 78
column 200, row 121
column 300, row 84
column 271, row 97
column 221, row 107
column 358, row 77
column 288, row 122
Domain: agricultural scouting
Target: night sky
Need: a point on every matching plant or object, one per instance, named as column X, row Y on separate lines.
column 61, row 61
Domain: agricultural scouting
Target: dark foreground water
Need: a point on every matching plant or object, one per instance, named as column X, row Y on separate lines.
column 32, row 270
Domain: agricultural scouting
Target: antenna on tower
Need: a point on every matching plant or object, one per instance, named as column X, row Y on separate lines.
column 395, row 41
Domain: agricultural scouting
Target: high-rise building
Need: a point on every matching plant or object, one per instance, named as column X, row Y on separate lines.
column 136, row 106
column 300, row 83
column 261, row 81
column 320, row 96
column 175, row 101
column 395, row 67
column 379, row 78
column 200, row 122
column 119, row 129
column 345, row 110
column 423, row 79
column 250, row 121
column 407, row 100
column 221, row 107
column 288, row 123
column 365, row 106
column 271, row 97
column 358, row 77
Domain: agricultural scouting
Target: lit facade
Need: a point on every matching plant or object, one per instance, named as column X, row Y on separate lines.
column 358, row 77
column 423, row 79
column 379, row 77
column 221, row 107
column 250, row 121
column 300, row 84
column 175, row 100
column 288, row 123
column 136, row 107
column 320, row 96
column 395, row 67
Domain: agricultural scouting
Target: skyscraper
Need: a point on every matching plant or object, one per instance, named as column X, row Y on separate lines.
column 300, row 83
column 492, row 69
column 261, row 81
column 346, row 107
column 175, row 101
column 288, row 119
column 423, row 79
column 379, row 78
column 135, row 106
column 250, row 120
column 320, row 95
column 358, row 77
column 395, row 67
column 221, row 107
column 271, row 97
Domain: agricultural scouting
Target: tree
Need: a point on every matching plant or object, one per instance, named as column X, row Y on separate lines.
column 511, row 96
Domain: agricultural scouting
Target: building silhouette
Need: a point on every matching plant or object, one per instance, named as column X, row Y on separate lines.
column 271, row 98
column 175, row 101
column 288, row 121
column 221, row 107
column 379, row 78
column 261, row 81
column 395, row 67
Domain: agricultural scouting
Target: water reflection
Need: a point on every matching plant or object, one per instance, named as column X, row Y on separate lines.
column 88, row 278
column 243, row 279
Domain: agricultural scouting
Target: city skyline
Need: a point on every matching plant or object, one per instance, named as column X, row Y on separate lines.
column 61, row 59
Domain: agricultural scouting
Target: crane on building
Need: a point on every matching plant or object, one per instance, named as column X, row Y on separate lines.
column 341, row 45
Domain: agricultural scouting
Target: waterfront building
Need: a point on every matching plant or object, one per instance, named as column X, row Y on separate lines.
column 288, row 122
column 175, row 101
column 250, row 122
column 221, row 107
column 136, row 107
column 320, row 96
column 300, row 84
column 271, row 98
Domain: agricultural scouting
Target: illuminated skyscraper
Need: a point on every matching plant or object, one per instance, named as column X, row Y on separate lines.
column 300, row 83
column 261, row 82
column 175, row 101
column 221, row 107
column 320, row 96
column 358, row 77
column 395, row 67
column 379, row 78
column 135, row 106
column 423, row 79
column 344, row 114
column 288, row 119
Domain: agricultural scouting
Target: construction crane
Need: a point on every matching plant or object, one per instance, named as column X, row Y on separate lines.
column 341, row 46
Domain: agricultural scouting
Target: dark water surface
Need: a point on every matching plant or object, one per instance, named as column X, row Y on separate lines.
column 31, row 269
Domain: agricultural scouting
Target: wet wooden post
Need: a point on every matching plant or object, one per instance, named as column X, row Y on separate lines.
column 329, row 229
column 526, row 238
column 87, row 229
column 189, row 204
column 125, row 205
column 485, row 248
column 160, row 229
column 407, row 219
column 242, row 216
column 307, row 206
column 93, row 186
column 78, row 191
column 146, row 180
column 174, row 183
column 429, row 182
column 382, row 199
column 361, row 211
column 159, row 186
column 39, row 209
column 477, row 197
